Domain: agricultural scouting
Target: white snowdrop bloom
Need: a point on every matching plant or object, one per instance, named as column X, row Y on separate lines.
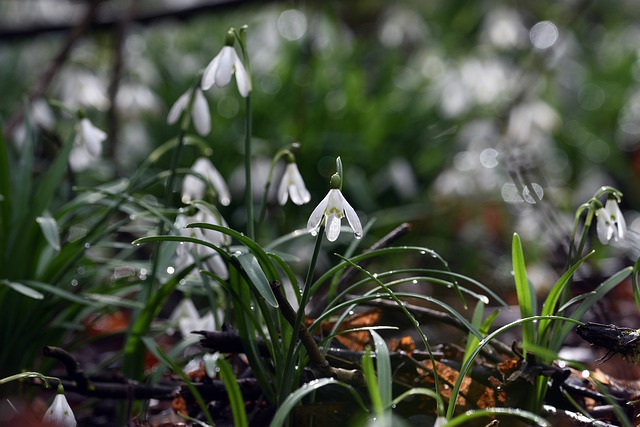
column 59, row 413
column 331, row 210
column 610, row 223
column 213, row 262
column 87, row 145
column 188, row 319
column 200, row 113
column 220, row 69
column 292, row 185
column 193, row 187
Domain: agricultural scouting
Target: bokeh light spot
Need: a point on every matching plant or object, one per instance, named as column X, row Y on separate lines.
column 544, row 34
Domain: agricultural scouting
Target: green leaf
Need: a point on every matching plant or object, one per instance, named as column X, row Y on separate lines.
column 251, row 266
column 50, row 182
column 49, row 228
column 523, row 290
column 294, row 398
column 383, row 365
column 462, row 419
column 162, row 356
column 233, row 391
column 23, row 289
column 55, row 290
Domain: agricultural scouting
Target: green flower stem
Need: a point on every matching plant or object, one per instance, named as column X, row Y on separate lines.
column 306, row 294
column 248, row 192
column 263, row 206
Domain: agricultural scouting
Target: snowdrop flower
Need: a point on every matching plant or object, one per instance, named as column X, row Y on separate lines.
column 193, row 187
column 293, row 185
column 611, row 222
column 185, row 252
column 331, row 210
column 188, row 319
column 59, row 413
column 199, row 111
column 226, row 63
column 87, row 145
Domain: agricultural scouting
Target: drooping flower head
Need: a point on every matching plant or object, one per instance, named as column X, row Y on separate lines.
column 224, row 65
column 59, row 413
column 200, row 113
column 185, row 252
column 611, row 222
column 87, row 146
column 330, row 212
column 292, row 185
column 193, row 187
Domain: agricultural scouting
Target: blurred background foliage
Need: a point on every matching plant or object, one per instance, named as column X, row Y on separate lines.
column 471, row 120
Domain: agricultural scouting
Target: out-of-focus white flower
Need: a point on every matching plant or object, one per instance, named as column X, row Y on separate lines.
column 199, row 112
column 186, row 316
column 220, row 69
column 186, row 251
column 331, row 210
column 87, row 145
column 611, row 222
column 59, row 413
column 292, row 185
column 193, row 187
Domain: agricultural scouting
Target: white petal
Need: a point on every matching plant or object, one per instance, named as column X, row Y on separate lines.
column 217, row 266
column 300, row 195
column 283, row 193
column 177, row 108
column 92, row 137
column 225, row 66
column 220, row 186
column 201, row 115
column 242, row 78
column 192, row 188
column 59, row 413
column 334, row 204
column 602, row 227
column 209, row 74
column 352, row 218
column 185, row 309
column 80, row 158
column 318, row 213
column 332, row 227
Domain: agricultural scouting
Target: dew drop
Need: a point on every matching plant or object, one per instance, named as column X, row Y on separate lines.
column 314, row 233
column 74, row 282
column 357, row 235
column 170, row 270
column 414, row 281
column 87, row 245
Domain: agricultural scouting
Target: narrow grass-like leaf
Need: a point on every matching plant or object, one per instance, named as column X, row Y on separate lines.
column 251, row 266
column 372, row 383
column 23, row 289
column 549, row 305
column 383, row 365
column 425, row 392
column 464, row 418
column 49, row 228
column 588, row 300
column 523, row 289
column 236, row 400
column 50, row 181
column 55, row 290
column 114, row 300
column 157, row 351
column 294, row 398
column 466, row 366
column 482, row 326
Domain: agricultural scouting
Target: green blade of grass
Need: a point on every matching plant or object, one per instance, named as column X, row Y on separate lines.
column 523, row 290
column 294, row 398
column 383, row 365
column 236, row 400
